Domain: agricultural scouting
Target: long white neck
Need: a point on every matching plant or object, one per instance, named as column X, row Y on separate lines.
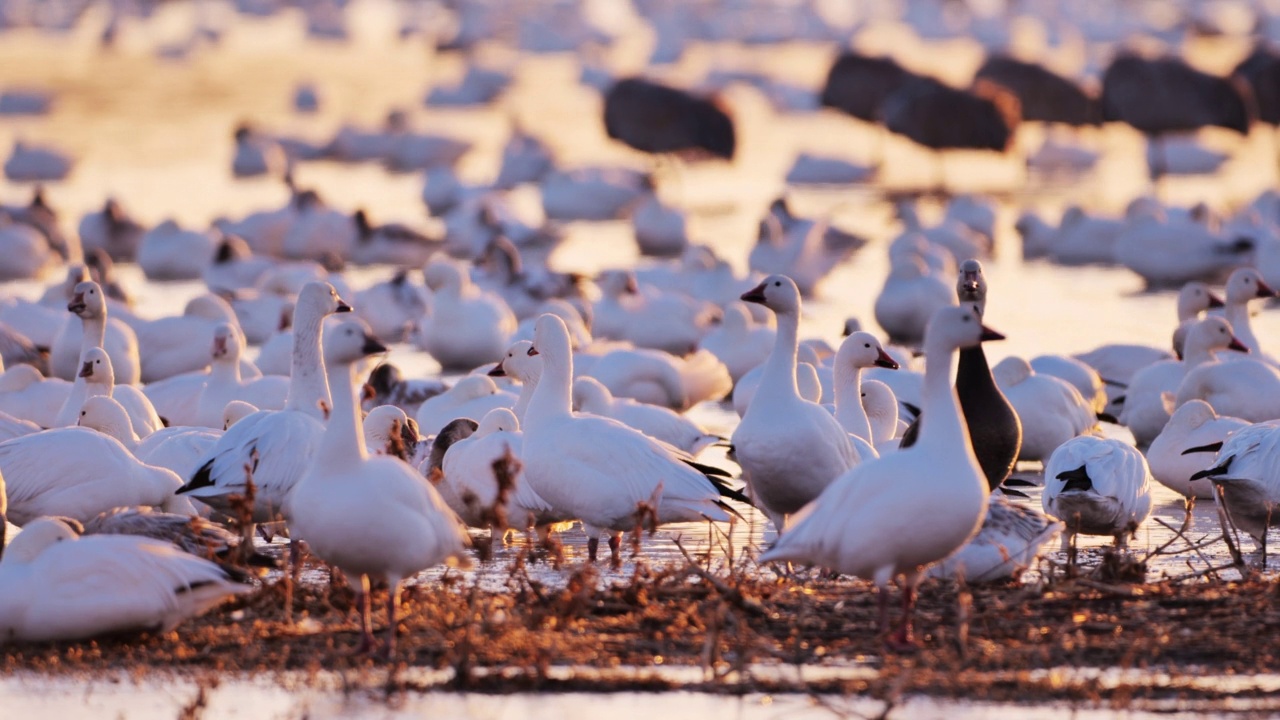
column 94, row 333
column 70, row 409
column 527, row 388
column 941, row 424
column 226, row 371
column 343, row 445
column 780, row 369
column 551, row 398
column 308, row 389
column 120, row 428
column 850, row 413
column 1238, row 315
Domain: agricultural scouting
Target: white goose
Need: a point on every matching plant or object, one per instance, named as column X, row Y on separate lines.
column 1097, row 486
column 591, row 396
column 1246, row 388
column 1008, row 543
column 95, row 330
column 56, row 586
column 470, row 487
column 1248, row 473
column 97, row 378
column 789, row 448
column 175, row 448
column 276, row 446
column 881, row 406
column 473, row 396
column 1193, row 299
column 668, row 321
column 1050, row 408
column 225, row 385
column 1186, row 446
column 660, row 230
column 25, row 251
column 1245, row 284
column 466, row 327
column 858, row 351
column 869, row 521
column 169, row 252
column 375, row 518
column 600, row 470
column 26, row 394
column 740, row 343
column 808, row 384
column 179, row 344
column 1144, row 411
column 909, row 298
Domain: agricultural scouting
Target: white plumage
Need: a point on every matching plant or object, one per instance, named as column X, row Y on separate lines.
column 1097, row 486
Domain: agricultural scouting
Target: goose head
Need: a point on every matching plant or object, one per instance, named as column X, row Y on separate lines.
column 863, row 350
column 209, row 307
column 1191, row 415
column 107, row 416
column 38, row 536
column 319, row 299
column 383, row 379
column 226, row 343
column 590, row 395
column 87, row 300
column 1212, row 333
column 456, row 430
column 956, row 327
column 778, row 293
column 235, row 411
column 1012, row 371
column 232, row 248
column 518, row 363
column 1194, row 298
column 1246, row 284
column 498, row 420
column 350, row 342
column 472, row 387
column 384, row 431
column 443, row 275
column 971, row 286
column 95, row 367
column 616, row 283
column 551, row 340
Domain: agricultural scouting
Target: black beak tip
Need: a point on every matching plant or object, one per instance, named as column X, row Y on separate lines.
column 532, row 351
column 86, row 370
column 497, row 371
column 343, row 307
column 373, row 346
column 754, row 295
column 989, row 335
column 1216, row 302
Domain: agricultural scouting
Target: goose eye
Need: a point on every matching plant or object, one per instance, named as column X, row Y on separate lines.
column 866, row 345
column 777, row 283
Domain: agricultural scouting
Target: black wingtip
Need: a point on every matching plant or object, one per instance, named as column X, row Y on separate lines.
column 1017, row 482
column 729, row 509
column 1215, row 470
column 202, row 478
column 1211, row 447
column 913, row 409
column 1108, row 417
column 708, row 470
column 1010, row 492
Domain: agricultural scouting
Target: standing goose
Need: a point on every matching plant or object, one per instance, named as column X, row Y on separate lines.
column 277, row 445
column 1097, row 486
column 858, row 351
column 896, row 515
column 95, row 330
column 600, row 470
column 1190, row 439
column 55, row 585
column 789, row 448
column 994, row 425
column 375, row 518
column 1246, row 473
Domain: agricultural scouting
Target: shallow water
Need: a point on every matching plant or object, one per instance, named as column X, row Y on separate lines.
column 157, row 135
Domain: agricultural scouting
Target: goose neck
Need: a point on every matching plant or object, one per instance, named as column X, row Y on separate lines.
column 308, row 388
column 343, row 444
column 780, row 368
column 850, row 412
column 225, row 372
column 551, row 398
column 941, row 424
column 1237, row 314
column 95, row 333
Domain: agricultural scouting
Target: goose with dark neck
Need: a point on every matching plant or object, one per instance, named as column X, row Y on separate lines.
column 992, row 421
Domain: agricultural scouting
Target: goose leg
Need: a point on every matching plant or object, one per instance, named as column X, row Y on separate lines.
column 593, row 548
column 363, row 597
column 615, row 550
column 882, row 591
column 904, row 639
column 393, row 604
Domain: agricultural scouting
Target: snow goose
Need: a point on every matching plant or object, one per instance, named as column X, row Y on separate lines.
column 318, row 232
column 175, row 448
column 1192, row 436
column 260, row 316
column 1084, row 378
column 1245, row 473
column 994, row 421
column 868, row 521
column 470, row 487
column 34, row 163
column 881, row 406
column 392, row 306
column 909, row 298
column 389, row 387
column 1038, row 237
column 473, row 396
column 668, row 321
column 808, row 384
column 466, row 326
column 276, row 446
column 388, row 431
column 658, row 378
column 234, row 266
column 442, row 191
column 375, row 518
column 111, row 229
column 96, row 378
column 1050, row 409
column 95, row 330
column 740, row 343
column 77, row 472
column 1145, row 412
column 179, row 344
column 1245, row 284
column 169, row 252
column 660, row 230
column 1097, row 486
column 592, row 193
column 1008, row 543
column 1084, row 239
column 391, row 243
column 188, row 533
column 1246, row 388
column 26, row 394
column 264, row 231
column 858, row 351
column 1193, row 299
column 256, row 154
column 225, row 384
column 526, row 369
column 24, row 252
column 601, row 471
column 58, row 586
column 1174, row 250
column 591, row 396
column 955, row 236
column 789, row 448
column 803, row 249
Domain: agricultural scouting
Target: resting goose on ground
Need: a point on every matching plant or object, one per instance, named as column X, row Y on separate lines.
column 26, row 394
column 1009, row 542
column 1187, row 445
column 591, row 396
column 909, row 298
column 1193, row 299
column 805, row 250
column 896, row 515
column 1097, row 486
column 739, row 343
column 56, row 586
column 389, row 387
column 375, row 518
column 659, row 378
column 225, row 384
column 789, row 448
column 465, row 327
column 472, row 396
column 1050, row 409
column 600, row 470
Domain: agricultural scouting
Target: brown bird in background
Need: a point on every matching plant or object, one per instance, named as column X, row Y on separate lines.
column 657, row 119
column 1044, row 95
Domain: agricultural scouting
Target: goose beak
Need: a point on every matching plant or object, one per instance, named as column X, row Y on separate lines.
column 219, row 347
column 988, row 334
column 886, row 361
column 754, row 295
column 497, row 371
column 372, row 346
column 86, row 370
column 1237, row 345
column 1265, row 290
column 1216, row 302
column 342, row 306
column 77, row 304
column 632, row 287
column 533, row 350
